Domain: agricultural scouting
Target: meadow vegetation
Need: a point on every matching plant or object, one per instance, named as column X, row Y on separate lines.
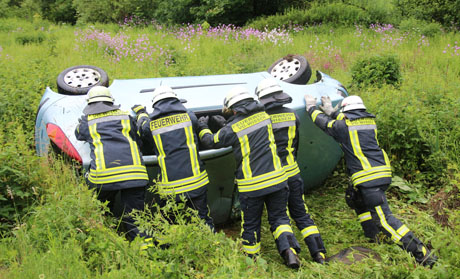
column 53, row 227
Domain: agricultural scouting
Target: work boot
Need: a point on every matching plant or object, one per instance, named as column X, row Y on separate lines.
column 424, row 256
column 319, row 258
column 291, row 259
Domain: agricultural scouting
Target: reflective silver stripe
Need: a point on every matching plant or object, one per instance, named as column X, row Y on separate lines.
column 366, row 216
column 171, row 128
column 370, row 171
column 117, row 178
column 283, row 124
column 119, row 170
column 253, row 128
column 362, row 127
column 282, row 229
column 252, row 249
column 182, row 189
column 107, row 118
column 309, row 231
column 184, row 181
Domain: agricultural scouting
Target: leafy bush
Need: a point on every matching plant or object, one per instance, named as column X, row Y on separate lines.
column 446, row 12
column 376, row 71
column 412, row 25
column 21, row 177
column 332, row 14
column 30, row 38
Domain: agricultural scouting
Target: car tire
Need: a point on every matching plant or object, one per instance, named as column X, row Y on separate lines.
column 292, row 69
column 78, row 80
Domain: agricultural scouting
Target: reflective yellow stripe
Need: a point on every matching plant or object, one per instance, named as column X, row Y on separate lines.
column 119, row 170
column 204, row 131
column 291, row 169
column 357, row 149
column 125, row 123
column 98, row 148
column 142, row 115
column 372, row 177
column 371, row 174
column 394, row 235
column 261, row 178
column 216, row 137
column 330, row 123
column 366, row 216
column 291, row 135
column 192, row 150
column 340, row 116
column 403, row 230
column 271, row 138
column 369, row 171
column 252, row 249
column 264, row 184
column 184, row 181
column 242, row 223
column 309, row 231
column 387, row 161
column 245, row 151
column 315, row 114
column 117, row 178
column 183, row 185
column 161, row 157
column 282, row 229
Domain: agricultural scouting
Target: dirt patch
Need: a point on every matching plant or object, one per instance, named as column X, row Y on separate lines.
column 444, row 200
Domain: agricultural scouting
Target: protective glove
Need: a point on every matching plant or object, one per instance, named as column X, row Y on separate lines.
column 203, row 123
column 138, row 109
column 218, row 120
column 310, row 101
column 326, row 106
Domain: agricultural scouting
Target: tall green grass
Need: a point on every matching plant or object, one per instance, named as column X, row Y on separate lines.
column 63, row 233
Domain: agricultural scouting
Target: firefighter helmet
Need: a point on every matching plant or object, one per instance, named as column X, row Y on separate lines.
column 163, row 92
column 351, row 103
column 99, row 94
column 236, row 94
column 267, row 86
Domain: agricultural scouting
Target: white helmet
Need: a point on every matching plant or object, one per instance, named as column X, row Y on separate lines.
column 267, row 86
column 163, row 92
column 351, row 103
column 236, row 94
column 99, row 94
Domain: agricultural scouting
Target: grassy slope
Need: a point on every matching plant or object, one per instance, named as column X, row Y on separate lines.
column 56, row 249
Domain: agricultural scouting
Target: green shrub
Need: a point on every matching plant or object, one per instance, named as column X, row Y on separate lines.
column 446, row 12
column 331, row 14
column 30, row 38
column 375, row 71
column 21, row 177
column 412, row 25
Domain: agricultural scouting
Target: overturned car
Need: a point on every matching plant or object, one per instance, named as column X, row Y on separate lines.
column 58, row 114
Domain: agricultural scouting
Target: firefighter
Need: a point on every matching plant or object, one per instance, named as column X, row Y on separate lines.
column 116, row 162
column 171, row 131
column 260, row 176
column 369, row 167
column 285, row 125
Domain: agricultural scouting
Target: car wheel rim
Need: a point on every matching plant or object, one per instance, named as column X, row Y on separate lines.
column 285, row 69
column 82, row 77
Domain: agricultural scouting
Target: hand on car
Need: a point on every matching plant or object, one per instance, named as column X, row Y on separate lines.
column 203, row 122
column 310, row 101
column 219, row 120
column 326, row 106
column 138, row 109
